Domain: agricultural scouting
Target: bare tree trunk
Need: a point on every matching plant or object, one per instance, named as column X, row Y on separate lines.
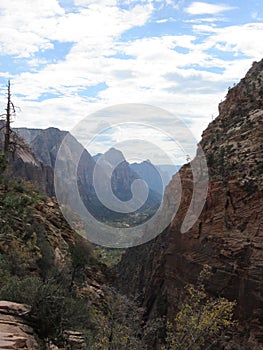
column 8, row 120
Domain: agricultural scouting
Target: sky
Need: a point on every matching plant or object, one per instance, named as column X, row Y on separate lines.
column 67, row 59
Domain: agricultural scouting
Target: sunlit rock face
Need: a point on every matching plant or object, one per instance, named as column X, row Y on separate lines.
column 23, row 164
column 15, row 333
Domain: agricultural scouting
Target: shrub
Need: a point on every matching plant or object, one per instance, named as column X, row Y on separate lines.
column 3, row 164
column 22, row 252
column 200, row 320
column 4, row 268
column 20, row 290
column 81, row 255
column 46, row 260
column 55, row 311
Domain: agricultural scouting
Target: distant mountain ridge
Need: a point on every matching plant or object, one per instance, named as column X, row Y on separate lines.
column 157, row 177
column 44, row 142
column 45, row 145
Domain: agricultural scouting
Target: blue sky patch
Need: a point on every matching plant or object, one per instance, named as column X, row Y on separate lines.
column 92, row 91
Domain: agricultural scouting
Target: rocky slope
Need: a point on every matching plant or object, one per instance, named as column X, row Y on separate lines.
column 34, row 236
column 229, row 232
column 17, row 333
column 39, row 251
column 24, row 164
column 45, row 143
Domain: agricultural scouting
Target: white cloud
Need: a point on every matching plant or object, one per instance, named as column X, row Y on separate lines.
column 170, row 71
column 144, row 78
column 246, row 39
column 242, row 39
column 87, row 3
column 204, row 8
column 164, row 20
column 205, row 19
column 26, row 27
column 100, row 22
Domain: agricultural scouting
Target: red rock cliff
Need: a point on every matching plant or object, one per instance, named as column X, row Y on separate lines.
column 229, row 232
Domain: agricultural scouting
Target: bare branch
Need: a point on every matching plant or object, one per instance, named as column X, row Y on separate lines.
column 13, row 107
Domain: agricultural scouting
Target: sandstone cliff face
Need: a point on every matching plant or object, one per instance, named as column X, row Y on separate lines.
column 25, row 165
column 229, row 232
column 45, row 143
column 15, row 333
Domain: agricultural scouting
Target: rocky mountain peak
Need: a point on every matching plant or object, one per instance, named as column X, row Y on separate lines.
column 44, row 142
column 247, row 94
column 114, row 156
column 233, row 141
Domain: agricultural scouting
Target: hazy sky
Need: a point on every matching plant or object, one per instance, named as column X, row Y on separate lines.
column 69, row 58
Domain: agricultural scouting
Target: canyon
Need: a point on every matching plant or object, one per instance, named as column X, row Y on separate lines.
column 228, row 235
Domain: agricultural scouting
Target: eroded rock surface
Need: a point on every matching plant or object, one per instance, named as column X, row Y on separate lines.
column 15, row 333
column 229, row 232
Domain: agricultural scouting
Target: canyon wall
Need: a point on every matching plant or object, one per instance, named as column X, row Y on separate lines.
column 228, row 235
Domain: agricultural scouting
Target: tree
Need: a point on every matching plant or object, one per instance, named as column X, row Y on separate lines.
column 200, row 320
column 54, row 311
column 119, row 325
column 81, row 255
column 9, row 144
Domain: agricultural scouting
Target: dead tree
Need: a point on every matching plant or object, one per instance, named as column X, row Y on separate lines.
column 10, row 142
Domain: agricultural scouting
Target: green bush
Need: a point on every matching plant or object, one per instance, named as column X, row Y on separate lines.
column 4, row 269
column 20, row 290
column 46, row 261
column 55, row 311
column 3, row 163
column 17, row 202
column 81, row 255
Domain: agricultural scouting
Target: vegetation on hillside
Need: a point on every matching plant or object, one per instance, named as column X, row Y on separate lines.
column 66, row 296
column 60, row 298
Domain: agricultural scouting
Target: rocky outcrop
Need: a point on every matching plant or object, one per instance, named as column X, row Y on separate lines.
column 26, row 166
column 23, row 164
column 150, row 174
column 45, row 143
column 229, row 232
column 15, row 333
